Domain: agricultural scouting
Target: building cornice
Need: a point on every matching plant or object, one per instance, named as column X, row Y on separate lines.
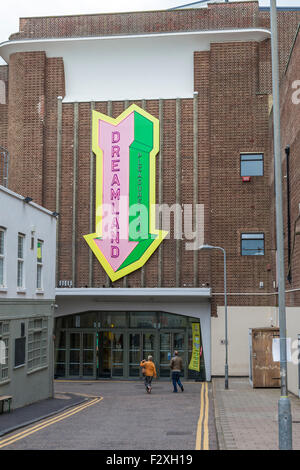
column 226, row 35
column 118, row 294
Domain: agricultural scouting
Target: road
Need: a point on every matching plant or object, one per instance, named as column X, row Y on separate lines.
column 122, row 416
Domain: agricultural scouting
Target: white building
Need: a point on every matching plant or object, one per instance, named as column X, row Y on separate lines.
column 27, row 293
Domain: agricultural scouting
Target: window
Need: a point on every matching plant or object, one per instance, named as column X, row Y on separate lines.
column 37, row 343
column 2, row 257
column 20, row 345
column 143, row 320
column 4, row 350
column 39, row 260
column 20, row 273
column 168, row 320
column 252, row 244
column 252, row 164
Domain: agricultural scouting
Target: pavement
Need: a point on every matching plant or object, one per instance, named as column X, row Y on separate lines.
column 247, row 418
column 30, row 414
column 124, row 417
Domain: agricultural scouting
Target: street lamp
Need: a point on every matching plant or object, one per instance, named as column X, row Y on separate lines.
column 209, row 247
column 284, row 406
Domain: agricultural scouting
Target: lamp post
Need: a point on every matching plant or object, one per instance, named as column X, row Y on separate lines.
column 284, row 406
column 209, row 247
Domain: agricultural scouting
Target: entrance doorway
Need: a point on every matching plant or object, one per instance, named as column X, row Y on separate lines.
column 119, row 354
column 169, row 342
column 141, row 345
column 110, row 354
column 81, row 353
column 99, row 345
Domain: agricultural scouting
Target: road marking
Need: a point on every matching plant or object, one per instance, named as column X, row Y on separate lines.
column 205, row 424
column 202, row 428
column 43, row 424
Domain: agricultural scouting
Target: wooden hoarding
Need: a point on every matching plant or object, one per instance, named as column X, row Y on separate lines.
column 265, row 372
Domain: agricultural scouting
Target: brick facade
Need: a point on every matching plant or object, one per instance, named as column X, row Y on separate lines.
column 233, row 82
column 290, row 136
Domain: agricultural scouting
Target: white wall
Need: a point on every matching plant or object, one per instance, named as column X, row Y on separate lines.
column 16, row 216
column 148, row 66
column 240, row 319
column 293, row 329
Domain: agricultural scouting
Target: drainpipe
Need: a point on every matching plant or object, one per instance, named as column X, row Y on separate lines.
column 287, row 153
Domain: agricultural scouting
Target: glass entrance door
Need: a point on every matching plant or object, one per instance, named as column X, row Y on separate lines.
column 104, row 354
column 148, row 345
column 135, row 354
column 110, row 354
column 165, row 354
column 141, row 345
column 117, row 364
column 82, row 354
column 170, row 342
column 74, row 355
column 88, row 355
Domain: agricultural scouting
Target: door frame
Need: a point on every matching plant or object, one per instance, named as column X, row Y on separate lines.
column 81, row 332
column 185, row 351
column 125, row 348
column 126, row 353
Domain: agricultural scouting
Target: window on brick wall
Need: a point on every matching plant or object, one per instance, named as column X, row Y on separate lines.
column 252, row 164
column 252, row 244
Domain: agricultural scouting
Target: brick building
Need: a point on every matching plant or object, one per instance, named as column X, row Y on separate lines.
column 290, row 133
column 205, row 74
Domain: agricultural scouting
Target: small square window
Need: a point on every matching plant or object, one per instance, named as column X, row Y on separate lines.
column 252, row 164
column 252, row 244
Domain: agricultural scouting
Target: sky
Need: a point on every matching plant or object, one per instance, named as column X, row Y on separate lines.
column 12, row 10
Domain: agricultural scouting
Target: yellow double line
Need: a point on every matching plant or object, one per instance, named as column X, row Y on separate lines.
column 202, row 441
column 45, row 423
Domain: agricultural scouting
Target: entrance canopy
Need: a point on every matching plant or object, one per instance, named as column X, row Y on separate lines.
column 189, row 302
column 185, row 301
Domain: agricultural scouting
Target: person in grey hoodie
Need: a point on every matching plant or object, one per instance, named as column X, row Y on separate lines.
column 176, row 366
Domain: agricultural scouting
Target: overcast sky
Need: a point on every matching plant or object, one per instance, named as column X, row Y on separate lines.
column 12, row 10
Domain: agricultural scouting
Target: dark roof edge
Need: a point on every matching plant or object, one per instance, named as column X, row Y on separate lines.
column 281, row 8
column 292, row 49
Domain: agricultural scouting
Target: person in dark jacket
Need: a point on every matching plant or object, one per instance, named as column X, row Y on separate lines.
column 176, row 366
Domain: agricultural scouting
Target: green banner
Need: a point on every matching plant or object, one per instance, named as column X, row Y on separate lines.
column 195, row 359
